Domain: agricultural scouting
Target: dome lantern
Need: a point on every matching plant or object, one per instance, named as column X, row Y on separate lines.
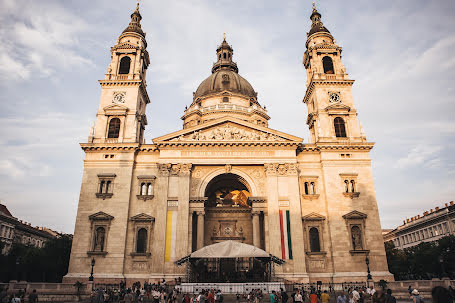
column 224, row 54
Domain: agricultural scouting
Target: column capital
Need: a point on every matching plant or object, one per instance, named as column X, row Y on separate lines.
column 181, row 169
column 185, row 169
column 200, row 213
column 255, row 213
column 271, row 169
column 164, row 169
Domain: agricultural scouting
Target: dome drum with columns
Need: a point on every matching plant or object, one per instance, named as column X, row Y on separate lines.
column 227, row 176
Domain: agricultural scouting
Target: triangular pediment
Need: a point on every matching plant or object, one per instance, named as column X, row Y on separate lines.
column 228, row 129
column 142, row 218
column 355, row 215
column 313, row 217
column 338, row 107
column 100, row 216
column 115, row 109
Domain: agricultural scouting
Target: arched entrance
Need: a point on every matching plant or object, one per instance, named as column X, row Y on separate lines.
column 227, row 218
column 228, row 210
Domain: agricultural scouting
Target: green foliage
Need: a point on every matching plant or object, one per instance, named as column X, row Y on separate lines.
column 47, row 264
column 424, row 261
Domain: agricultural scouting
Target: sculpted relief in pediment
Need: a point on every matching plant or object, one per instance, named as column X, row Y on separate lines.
column 228, row 133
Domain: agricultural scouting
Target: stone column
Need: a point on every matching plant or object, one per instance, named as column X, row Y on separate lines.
column 256, row 229
column 200, row 229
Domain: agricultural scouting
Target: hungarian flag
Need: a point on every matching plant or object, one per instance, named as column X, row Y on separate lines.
column 285, row 229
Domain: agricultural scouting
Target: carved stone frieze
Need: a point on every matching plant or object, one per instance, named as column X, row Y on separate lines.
column 229, row 133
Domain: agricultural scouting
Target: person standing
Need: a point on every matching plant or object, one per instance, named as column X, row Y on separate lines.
column 33, row 297
column 416, row 298
column 128, row 298
column 298, row 297
column 355, row 295
column 389, row 298
column 441, row 295
column 313, row 296
column 273, row 297
column 325, row 297
column 342, row 298
column 284, row 296
column 379, row 296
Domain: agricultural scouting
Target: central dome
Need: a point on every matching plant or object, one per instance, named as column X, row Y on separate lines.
column 225, row 76
column 225, row 79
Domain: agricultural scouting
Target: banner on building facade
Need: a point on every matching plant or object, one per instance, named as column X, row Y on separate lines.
column 285, row 228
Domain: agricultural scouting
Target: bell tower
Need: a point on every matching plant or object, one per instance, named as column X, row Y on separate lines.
column 121, row 113
column 332, row 117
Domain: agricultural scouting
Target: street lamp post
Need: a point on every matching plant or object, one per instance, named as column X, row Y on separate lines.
column 91, row 273
column 443, row 270
column 369, row 277
column 18, row 262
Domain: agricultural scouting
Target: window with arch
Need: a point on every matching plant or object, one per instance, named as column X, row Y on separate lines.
column 315, row 245
column 141, row 242
column 224, row 55
column 146, row 187
column 105, row 185
column 340, row 128
column 309, row 187
column 124, row 67
column 327, row 64
column 114, row 128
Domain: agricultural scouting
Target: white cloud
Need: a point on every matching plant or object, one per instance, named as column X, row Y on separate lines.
column 39, row 40
column 421, row 155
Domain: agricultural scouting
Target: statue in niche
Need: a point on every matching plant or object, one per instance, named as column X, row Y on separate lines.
column 99, row 239
column 356, row 238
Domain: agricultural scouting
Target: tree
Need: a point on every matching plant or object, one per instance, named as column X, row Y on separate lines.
column 422, row 261
column 47, row 264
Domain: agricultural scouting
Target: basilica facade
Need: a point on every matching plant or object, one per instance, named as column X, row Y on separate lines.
column 227, row 176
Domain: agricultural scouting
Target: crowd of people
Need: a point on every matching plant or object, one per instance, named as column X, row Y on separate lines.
column 162, row 293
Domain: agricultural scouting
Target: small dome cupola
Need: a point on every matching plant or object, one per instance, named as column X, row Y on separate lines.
column 317, row 26
column 135, row 23
column 224, row 54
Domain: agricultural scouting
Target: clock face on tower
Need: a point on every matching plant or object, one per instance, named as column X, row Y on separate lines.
column 119, row 97
column 334, row 97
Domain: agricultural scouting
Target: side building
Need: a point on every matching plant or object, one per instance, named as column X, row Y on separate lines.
column 13, row 230
column 431, row 226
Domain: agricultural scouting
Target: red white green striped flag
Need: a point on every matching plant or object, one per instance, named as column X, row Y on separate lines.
column 285, row 229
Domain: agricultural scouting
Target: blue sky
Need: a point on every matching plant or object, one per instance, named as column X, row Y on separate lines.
column 53, row 52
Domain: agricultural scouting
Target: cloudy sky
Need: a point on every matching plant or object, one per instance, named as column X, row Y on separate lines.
column 53, row 52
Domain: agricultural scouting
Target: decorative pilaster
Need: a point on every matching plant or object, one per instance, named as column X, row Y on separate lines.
column 161, row 195
column 200, row 229
column 273, row 242
column 184, row 177
column 298, row 249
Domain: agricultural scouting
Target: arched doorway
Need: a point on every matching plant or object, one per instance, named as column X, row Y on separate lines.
column 227, row 217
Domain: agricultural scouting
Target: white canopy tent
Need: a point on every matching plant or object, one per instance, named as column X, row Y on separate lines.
column 230, row 249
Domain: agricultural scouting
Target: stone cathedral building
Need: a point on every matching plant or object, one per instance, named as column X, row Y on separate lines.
column 227, row 176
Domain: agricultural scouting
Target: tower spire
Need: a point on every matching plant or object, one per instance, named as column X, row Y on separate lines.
column 135, row 23
column 317, row 25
